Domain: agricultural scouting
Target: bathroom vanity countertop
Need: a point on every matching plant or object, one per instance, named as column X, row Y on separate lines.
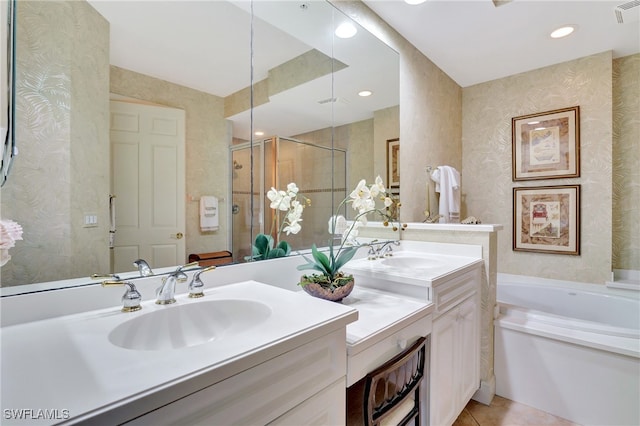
column 387, row 324
column 68, row 364
column 414, row 273
column 380, row 315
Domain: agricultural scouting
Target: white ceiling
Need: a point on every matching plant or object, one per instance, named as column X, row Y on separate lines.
column 474, row 41
column 207, row 46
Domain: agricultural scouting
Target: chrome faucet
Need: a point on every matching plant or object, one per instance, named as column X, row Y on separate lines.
column 383, row 250
column 131, row 297
column 166, row 292
column 388, row 251
column 143, row 268
column 196, row 285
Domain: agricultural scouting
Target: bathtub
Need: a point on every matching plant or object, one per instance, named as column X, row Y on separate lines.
column 570, row 349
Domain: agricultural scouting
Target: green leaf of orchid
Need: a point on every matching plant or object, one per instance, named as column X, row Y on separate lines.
column 264, row 242
column 322, row 260
column 276, row 252
column 285, row 247
column 345, row 256
column 311, row 264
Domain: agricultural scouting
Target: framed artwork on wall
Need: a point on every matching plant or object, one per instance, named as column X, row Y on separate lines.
column 546, row 145
column 393, row 163
column 546, row 219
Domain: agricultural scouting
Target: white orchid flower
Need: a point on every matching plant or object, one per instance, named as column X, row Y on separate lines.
column 280, row 200
column 378, row 187
column 350, row 234
column 360, row 196
column 295, row 212
column 292, row 228
column 292, row 189
column 294, row 217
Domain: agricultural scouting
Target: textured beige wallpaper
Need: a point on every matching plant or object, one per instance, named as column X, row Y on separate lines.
column 626, row 163
column 62, row 136
column 431, row 112
column 207, row 148
column 486, row 138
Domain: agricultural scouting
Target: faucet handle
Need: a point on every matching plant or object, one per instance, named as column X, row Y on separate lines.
column 196, row 285
column 102, row 276
column 181, row 276
column 130, row 299
column 371, row 255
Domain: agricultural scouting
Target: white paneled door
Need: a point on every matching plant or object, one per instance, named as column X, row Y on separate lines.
column 148, row 180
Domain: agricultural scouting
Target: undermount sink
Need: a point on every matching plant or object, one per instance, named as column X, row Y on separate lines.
column 413, row 262
column 184, row 325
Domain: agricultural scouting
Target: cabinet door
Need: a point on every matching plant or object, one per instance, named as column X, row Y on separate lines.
column 444, row 365
column 469, row 350
column 264, row 392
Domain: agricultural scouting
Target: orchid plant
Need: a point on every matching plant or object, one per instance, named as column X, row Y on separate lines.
column 362, row 199
column 291, row 202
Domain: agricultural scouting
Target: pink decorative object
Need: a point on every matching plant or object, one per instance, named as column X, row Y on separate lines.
column 10, row 232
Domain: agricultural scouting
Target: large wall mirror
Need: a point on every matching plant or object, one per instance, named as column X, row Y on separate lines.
column 95, row 79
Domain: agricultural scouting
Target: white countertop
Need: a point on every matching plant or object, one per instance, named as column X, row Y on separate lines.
column 67, row 363
column 410, row 273
column 380, row 314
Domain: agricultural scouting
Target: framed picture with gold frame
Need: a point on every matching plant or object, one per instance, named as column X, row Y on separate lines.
column 546, row 145
column 546, row 219
column 393, row 163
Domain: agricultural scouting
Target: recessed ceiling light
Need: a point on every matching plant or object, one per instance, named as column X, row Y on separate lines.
column 412, row 2
column 259, row 133
column 563, row 31
column 346, row 30
column 365, row 93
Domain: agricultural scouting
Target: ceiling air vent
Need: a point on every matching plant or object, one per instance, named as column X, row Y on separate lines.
column 628, row 12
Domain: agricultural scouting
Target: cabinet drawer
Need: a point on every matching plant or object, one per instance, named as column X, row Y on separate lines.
column 449, row 294
column 358, row 365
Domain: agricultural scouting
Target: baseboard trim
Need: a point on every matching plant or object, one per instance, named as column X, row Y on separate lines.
column 487, row 391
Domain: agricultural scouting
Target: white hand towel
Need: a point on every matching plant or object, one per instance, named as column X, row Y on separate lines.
column 209, row 213
column 447, row 181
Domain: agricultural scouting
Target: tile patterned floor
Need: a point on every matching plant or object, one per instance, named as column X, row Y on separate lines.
column 503, row 412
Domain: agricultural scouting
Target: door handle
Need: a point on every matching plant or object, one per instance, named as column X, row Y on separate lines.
column 178, row 236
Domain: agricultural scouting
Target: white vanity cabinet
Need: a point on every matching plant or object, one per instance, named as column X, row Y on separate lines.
column 455, row 346
column 303, row 386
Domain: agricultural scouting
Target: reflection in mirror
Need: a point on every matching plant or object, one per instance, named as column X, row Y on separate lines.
column 8, row 148
column 75, row 58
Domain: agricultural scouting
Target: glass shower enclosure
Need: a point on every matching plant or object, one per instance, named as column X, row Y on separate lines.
column 319, row 172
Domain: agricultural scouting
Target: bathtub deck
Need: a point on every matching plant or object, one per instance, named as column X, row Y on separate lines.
column 503, row 412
